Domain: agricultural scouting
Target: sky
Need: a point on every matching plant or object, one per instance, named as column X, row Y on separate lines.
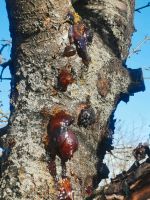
column 133, row 118
column 4, row 34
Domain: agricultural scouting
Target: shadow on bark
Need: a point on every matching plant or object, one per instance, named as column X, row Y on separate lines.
column 102, row 27
column 99, row 25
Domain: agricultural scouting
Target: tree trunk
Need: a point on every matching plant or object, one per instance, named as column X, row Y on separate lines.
column 39, row 37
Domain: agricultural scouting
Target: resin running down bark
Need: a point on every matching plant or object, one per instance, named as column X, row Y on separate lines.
column 90, row 93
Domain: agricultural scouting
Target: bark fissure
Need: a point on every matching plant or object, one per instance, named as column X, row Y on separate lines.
column 39, row 37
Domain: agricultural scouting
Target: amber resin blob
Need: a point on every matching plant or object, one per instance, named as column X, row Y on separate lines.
column 67, row 143
column 65, row 78
column 65, row 189
column 58, row 122
column 69, row 51
column 61, row 141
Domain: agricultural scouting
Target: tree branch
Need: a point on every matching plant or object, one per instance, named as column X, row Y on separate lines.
column 3, row 115
column 138, row 47
column 7, row 79
column 115, row 189
column 4, row 65
column 6, row 43
column 138, row 9
column 4, row 130
column 2, row 48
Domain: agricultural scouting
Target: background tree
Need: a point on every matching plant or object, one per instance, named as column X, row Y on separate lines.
column 39, row 37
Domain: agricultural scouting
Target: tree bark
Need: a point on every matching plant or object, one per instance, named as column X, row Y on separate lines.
column 133, row 185
column 38, row 41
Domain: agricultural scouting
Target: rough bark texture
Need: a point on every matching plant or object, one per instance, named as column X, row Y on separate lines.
column 134, row 185
column 38, row 42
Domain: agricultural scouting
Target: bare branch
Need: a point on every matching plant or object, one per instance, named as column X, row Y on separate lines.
column 6, row 79
column 7, row 63
column 4, row 44
column 6, row 41
column 138, row 9
column 147, row 78
column 138, row 47
column 4, row 65
column 3, row 115
column 115, row 189
column 118, row 157
column 2, row 48
column 146, row 68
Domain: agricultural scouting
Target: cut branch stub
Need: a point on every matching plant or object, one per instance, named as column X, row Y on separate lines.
column 137, row 81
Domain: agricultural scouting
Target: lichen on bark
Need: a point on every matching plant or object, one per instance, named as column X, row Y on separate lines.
column 38, row 41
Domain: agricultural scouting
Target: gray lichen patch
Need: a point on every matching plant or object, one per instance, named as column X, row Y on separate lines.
column 38, row 59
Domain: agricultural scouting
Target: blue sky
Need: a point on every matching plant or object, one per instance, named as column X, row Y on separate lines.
column 4, row 34
column 133, row 117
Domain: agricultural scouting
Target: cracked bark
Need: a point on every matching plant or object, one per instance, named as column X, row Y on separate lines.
column 138, row 184
column 38, row 42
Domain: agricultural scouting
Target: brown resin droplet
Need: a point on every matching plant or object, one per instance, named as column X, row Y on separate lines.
column 65, row 190
column 59, row 121
column 68, row 144
column 86, row 117
column 61, row 142
column 69, row 51
column 89, row 190
column 11, row 142
column 64, row 79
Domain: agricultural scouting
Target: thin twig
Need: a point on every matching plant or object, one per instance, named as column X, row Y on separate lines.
column 138, row 47
column 2, row 115
column 5, row 44
column 6, row 79
column 117, row 157
column 146, row 68
column 4, row 65
column 147, row 78
column 138, row 9
column 6, row 41
column 3, row 47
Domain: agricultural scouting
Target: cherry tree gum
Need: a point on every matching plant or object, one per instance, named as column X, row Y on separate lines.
column 39, row 37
